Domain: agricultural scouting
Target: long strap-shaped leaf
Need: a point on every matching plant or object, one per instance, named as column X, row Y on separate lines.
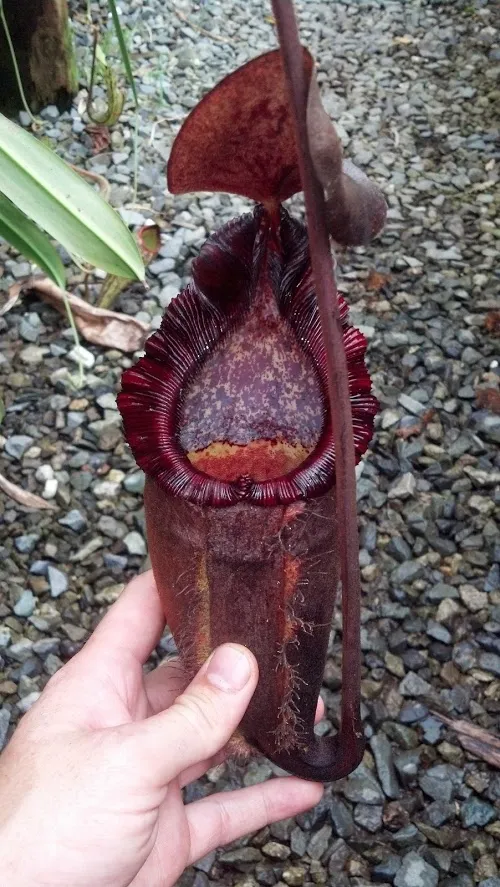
column 123, row 49
column 42, row 186
column 346, row 748
column 27, row 238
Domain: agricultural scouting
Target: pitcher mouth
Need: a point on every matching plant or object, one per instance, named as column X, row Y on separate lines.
column 194, row 325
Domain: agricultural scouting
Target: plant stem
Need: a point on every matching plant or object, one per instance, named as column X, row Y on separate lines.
column 351, row 732
column 76, row 338
column 17, row 73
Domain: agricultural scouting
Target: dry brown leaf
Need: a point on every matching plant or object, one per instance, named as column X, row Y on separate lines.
column 418, row 427
column 101, row 182
column 492, row 322
column 23, row 496
column 97, row 325
column 376, row 281
column 13, row 296
column 100, row 137
column 476, row 740
column 489, row 398
column 409, row 431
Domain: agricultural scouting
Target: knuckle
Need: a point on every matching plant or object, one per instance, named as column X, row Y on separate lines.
column 200, row 711
column 225, row 823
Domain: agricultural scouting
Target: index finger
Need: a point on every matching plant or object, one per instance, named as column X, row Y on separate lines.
column 135, row 622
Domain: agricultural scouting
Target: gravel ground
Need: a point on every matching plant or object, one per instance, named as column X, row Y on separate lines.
column 414, row 88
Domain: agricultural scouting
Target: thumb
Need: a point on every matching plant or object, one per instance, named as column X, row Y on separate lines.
column 203, row 718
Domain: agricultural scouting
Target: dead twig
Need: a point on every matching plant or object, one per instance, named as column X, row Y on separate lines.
column 476, row 740
column 23, row 497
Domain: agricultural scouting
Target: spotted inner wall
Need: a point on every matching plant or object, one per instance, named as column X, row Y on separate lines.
column 258, row 397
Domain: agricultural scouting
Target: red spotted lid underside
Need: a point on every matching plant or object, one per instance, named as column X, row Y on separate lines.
column 240, row 138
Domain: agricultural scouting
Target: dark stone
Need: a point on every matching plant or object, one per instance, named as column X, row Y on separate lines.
column 314, row 817
column 436, row 785
column 446, row 836
column 439, row 632
column 283, row 829
column 441, row 591
column 414, row 685
column 438, row 857
column 408, row 836
column 416, row 872
column 460, row 881
column 490, row 662
column 241, row 856
column 407, row 572
column 5, row 717
column 439, row 812
column 39, row 568
column 384, row 872
column 414, row 659
column 492, row 581
column 413, row 712
column 362, row 787
column 441, row 652
column 74, row 520
column 368, row 537
column 462, row 861
column 399, row 549
column 444, row 547
column 318, row 844
column 475, row 812
column 264, row 874
column 382, row 752
column 464, row 655
column 341, row 817
column 368, row 817
column 298, row 842
column 25, row 544
column 206, row 862
column 397, row 641
column 338, row 857
column 432, row 729
column 115, row 561
column 406, row 737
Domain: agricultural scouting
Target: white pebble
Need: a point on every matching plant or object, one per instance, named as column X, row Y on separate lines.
column 50, row 488
column 44, row 473
column 79, row 354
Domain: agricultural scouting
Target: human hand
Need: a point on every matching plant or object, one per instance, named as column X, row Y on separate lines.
column 90, row 783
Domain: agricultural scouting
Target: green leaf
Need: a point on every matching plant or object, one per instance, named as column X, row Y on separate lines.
column 27, row 238
column 37, row 181
column 123, row 48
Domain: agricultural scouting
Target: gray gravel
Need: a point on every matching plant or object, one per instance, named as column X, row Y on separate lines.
column 414, row 88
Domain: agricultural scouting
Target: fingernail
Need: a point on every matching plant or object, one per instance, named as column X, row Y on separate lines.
column 229, row 669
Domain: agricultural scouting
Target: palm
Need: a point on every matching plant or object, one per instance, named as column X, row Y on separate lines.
column 101, row 754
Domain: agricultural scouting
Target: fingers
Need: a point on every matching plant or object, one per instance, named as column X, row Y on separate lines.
column 202, row 719
column 134, row 623
column 222, row 818
column 320, row 710
column 198, row 770
column 164, row 684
